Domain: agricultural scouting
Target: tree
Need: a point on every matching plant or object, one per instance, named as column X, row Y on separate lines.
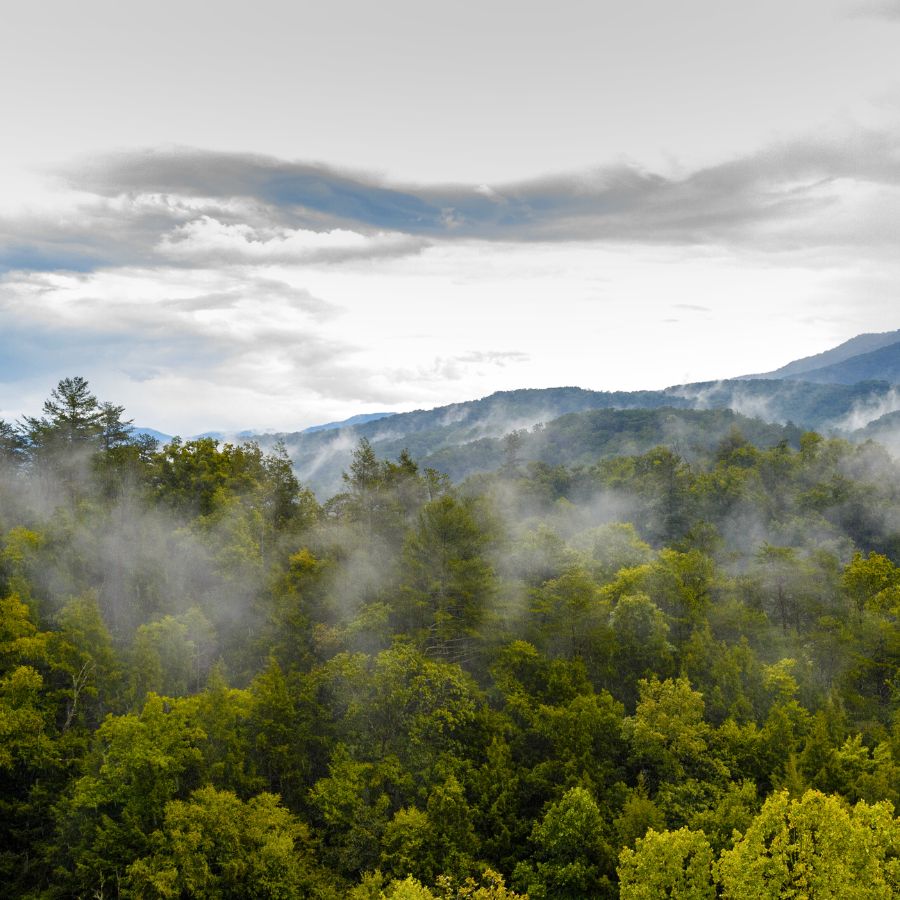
column 676, row 864
column 170, row 656
column 566, row 612
column 447, row 579
column 668, row 735
column 642, row 646
column 639, row 815
column 114, row 431
column 72, row 418
column 215, row 845
column 30, row 766
column 512, row 444
column 137, row 764
column 815, row 847
column 872, row 581
column 572, row 859
column 281, row 732
column 83, row 652
column 353, row 809
column 12, row 447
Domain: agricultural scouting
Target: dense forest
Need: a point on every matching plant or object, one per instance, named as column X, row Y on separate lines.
column 646, row 675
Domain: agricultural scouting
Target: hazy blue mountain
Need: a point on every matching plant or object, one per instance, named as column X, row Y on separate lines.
column 859, row 345
column 361, row 419
column 823, row 407
column 846, row 391
column 463, row 437
column 882, row 364
column 151, row 432
column 885, row 429
column 263, row 437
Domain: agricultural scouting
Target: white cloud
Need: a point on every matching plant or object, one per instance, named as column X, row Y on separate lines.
column 206, row 240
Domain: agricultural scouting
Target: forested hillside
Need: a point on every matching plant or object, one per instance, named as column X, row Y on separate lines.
column 664, row 671
column 456, row 435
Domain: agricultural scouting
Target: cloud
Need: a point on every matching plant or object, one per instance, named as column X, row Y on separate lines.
column 297, row 286
column 240, row 331
column 209, row 241
column 238, row 345
column 876, row 9
column 198, row 208
column 194, row 207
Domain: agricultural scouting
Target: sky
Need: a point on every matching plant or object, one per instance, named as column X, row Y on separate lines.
column 271, row 215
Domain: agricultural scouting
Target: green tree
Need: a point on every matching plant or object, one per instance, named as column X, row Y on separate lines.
column 352, row 809
column 676, row 864
column 872, row 581
column 447, row 579
column 571, row 858
column 566, row 614
column 31, row 763
column 137, row 764
column 12, row 448
column 214, row 845
column 642, row 645
column 83, row 653
column 282, row 742
column 171, row 656
column 72, row 419
column 668, row 736
column 114, row 430
column 639, row 814
column 815, row 847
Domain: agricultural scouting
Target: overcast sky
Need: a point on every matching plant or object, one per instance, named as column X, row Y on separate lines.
column 270, row 214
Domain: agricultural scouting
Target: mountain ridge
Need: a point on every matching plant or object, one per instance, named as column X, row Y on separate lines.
column 849, row 395
column 855, row 346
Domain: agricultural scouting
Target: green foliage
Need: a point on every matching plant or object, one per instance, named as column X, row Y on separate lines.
column 676, row 864
column 687, row 661
column 668, row 736
column 172, row 655
column 815, row 846
column 571, row 858
column 448, row 581
column 72, row 418
column 137, row 764
column 214, row 845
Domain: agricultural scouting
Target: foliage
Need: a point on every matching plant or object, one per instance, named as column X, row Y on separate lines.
column 677, row 864
column 815, row 846
column 615, row 662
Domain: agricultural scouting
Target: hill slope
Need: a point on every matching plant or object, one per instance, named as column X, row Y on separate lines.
column 882, row 364
column 458, row 438
column 859, row 345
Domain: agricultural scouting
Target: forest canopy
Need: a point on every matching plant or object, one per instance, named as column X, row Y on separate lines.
column 634, row 676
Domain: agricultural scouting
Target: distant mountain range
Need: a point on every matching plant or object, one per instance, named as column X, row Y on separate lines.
column 866, row 357
column 162, row 437
column 852, row 390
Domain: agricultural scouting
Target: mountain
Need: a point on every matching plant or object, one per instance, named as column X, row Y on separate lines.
column 160, row 436
column 361, row 419
column 883, row 364
column 250, row 435
column 581, row 439
column 320, row 457
column 835, row 366
column 846, row 391
column 466, row 437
